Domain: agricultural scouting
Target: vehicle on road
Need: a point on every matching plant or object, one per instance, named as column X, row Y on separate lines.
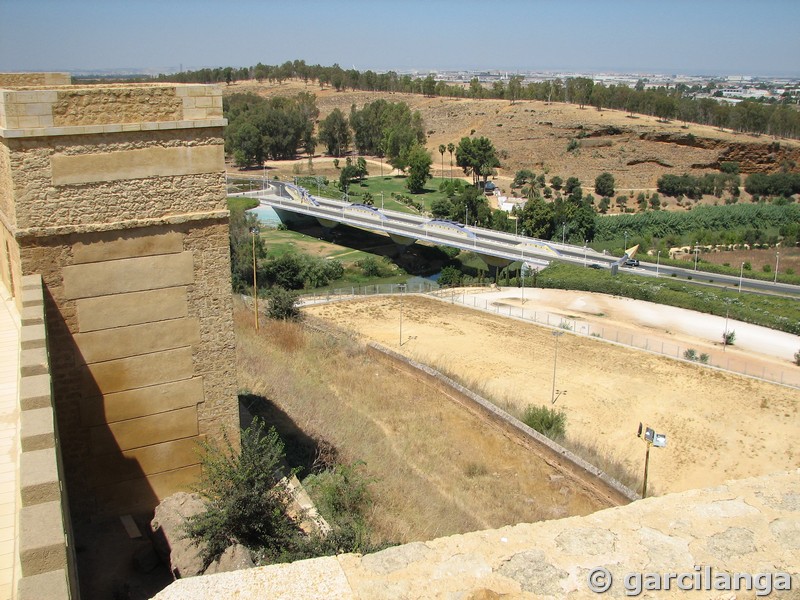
column 595, row 266
column 631, row 262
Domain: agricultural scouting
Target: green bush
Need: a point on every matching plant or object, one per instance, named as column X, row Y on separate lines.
column 547, row 421
column 244, row 503
column 450, row 276
column 729, row 337
column 282, row 305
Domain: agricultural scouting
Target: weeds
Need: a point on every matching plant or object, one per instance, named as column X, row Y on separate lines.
column 547, row 421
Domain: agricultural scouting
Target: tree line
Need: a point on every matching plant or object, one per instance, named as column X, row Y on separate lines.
column 779, row 118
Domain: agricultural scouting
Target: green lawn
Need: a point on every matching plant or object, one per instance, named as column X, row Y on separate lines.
column 389, row 185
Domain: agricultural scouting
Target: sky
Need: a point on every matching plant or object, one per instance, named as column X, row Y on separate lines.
column 725, row 37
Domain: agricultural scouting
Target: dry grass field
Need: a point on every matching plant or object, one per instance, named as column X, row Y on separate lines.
column 720, row 426
column 437, row 469
column 636, row 149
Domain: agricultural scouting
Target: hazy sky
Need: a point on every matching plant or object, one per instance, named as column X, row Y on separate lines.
column 757, row 37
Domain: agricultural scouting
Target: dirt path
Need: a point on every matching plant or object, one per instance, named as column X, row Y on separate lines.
column 719, row 426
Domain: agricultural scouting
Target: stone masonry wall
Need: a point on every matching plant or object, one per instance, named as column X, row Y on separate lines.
column 141, row 342
column 748, row 527
column 75, row 170
column 115, row 195
column 34, row 79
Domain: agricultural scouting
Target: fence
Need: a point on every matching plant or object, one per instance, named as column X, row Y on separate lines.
column 617, row 335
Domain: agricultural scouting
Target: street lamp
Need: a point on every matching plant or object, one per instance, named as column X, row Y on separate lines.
column 625, row 249
column 741, row 272
column 725, row 333
column 585, row 242
column 556, row 335
column 254, row 233
column 651, row 438
column 658, row 261
column 564, row 233
column 402, row 288
column 381, row 199
column 696, row 251
column 777, row 259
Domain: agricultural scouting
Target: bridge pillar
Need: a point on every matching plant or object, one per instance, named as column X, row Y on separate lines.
column 402, row 240
column 495, row 261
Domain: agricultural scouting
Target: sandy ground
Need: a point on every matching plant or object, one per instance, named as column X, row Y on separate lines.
column 719, row 426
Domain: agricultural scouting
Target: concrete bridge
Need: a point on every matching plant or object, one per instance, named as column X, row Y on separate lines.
column 496, row 248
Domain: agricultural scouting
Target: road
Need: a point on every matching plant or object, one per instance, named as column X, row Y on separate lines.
column 490, row 244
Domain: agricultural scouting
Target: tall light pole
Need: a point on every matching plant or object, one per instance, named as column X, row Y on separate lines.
column 696, row 251
column 585, row 242
column 658, row 261
column 564, row 233
column 625, row 249
column 402, row 288
column 725, row 333
column 381, row 199
column 254, row 233
column 741, row 272
column 556, row 335
column 777, row 259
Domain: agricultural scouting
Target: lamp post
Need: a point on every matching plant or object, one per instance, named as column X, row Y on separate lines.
column 651, row 438
column 658, row 261
column 625, row 249
column 741, row 272
column 523, row 273
column 777, row 259
column 585, row 242
column 254, row 233
column 556, row 335
column 696, row 251
column 381, row 199
column 563, row 233
column 725, row 333
column 402, row 288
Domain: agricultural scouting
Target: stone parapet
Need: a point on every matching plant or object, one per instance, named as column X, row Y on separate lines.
column 45, row 549
column 34, row 79
column 76, row 110
column 749, row 527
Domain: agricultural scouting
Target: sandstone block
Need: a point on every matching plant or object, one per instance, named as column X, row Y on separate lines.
column 36, row 429
column 47, row 586
column 149, row 460
column 137, row 371
column 132, row 308
column 139, row 495
column 34, row 361
column 41, row 539
column 35, row 392
column 144, row 431
column 128, row 275
column 121, row 342
column 140, row 402
column 38, row 474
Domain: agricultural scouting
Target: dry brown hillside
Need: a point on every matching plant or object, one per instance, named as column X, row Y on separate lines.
column 637, row 150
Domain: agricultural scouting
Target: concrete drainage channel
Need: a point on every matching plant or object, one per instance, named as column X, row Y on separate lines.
column 605, row 486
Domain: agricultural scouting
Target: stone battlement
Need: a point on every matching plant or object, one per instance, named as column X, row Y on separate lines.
column 76, row 110
column 34, row 79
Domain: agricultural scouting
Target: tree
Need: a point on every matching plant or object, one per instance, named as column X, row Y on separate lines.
column 451, row 147
column 450, row 276
column 604, row 184
column 514, row 90
column 429, row 86
column 334, row 132
column 419, row 169
column 441, row 208
column 477, row 157
column 442, row 150
column 556, row 182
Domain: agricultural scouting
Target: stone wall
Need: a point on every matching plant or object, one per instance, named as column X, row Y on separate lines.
column 34, row 79
column 46, row 548
column 749, row 527
column 115, row 195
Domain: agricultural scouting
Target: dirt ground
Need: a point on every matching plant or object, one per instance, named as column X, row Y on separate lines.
column 719, row 426
column 535, row 135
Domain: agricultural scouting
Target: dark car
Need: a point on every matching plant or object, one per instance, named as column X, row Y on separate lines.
column 595, row 266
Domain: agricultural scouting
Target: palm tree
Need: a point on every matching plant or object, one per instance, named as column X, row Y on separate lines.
column 442, row 150
column 451, row 147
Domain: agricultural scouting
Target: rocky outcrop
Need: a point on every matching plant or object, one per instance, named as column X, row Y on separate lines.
column 169, row 535
column 235, row 558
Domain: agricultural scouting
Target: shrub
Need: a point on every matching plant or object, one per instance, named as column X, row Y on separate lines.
column 244, row 503
column 282, row 305
column 573, row 145
column 547, row 421
column 704, row 358
column 690, row 354
column 450, row 276
column 728, row 337
column 797, row 358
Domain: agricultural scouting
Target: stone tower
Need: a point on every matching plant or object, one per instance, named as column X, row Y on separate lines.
column 115, row 194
